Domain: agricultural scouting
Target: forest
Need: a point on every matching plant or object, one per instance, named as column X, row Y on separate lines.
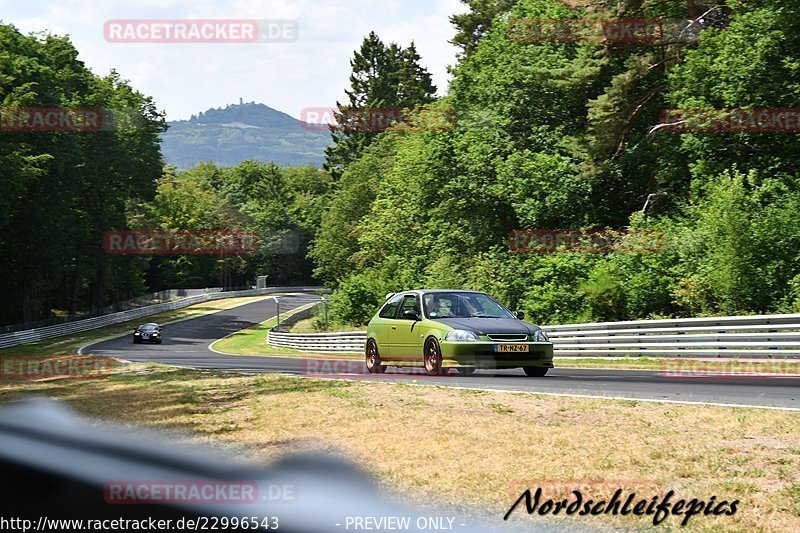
column 550, row 133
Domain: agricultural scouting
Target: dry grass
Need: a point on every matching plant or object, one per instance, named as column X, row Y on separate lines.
column 253, row 341
column 307, row 325
column 473, row 447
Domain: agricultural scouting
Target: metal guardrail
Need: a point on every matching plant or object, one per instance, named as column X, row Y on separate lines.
column 757, row 336
column 127, row 305
column 350, row 342
column 33, row 335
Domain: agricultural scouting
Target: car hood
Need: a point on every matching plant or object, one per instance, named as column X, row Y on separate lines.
column 484, row 326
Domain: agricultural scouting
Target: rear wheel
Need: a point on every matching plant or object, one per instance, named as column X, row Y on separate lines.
column 374, row 365
column 433, row 358
column 535, row 371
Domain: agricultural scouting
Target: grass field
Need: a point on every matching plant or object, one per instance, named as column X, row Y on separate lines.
column 253, row 341
column 307, row 326
column 466, row 447
column 477, row 448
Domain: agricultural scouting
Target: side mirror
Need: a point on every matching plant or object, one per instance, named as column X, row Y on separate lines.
column 410, row 314
column 520, row 315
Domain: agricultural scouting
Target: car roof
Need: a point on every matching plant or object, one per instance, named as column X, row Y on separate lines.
column 431, row 291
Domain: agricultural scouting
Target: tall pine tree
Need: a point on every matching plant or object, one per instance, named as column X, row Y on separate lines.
column 474, row 25
column 383, row 77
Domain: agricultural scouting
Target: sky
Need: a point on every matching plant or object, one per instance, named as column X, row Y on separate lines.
column 311, row 71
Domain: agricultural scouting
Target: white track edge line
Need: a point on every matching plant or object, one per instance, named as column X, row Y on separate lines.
column 562, row 394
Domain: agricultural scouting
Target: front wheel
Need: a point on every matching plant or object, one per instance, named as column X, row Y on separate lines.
column 374, row 365
column 433, row 358
column 535, row 371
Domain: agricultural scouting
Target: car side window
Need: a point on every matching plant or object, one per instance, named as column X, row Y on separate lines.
column 409, row 303
column 390, row 309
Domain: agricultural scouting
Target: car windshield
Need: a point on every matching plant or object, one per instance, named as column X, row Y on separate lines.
column 463, row 305
column 148, row 327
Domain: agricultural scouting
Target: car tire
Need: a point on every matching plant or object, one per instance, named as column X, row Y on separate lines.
column 137, row 341
column 158, row 341
column 535, row 371
column 465, row 370
column 373, row 358
column 432, row 358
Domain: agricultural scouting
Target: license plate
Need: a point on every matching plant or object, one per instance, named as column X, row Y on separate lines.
column 511, row 348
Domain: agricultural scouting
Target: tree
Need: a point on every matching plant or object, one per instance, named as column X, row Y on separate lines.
column 474, row 25
column 384, row 78
column 282, row 207
column 63, row 190
column 558, row 135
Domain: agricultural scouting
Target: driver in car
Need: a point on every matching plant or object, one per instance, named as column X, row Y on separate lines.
column 436, row 309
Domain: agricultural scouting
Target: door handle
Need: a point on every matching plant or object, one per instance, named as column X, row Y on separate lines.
column 394, row 327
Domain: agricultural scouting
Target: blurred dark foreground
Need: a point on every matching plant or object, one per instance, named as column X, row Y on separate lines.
column 55, row 466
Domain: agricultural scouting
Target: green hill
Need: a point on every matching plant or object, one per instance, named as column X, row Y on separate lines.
column 233, row 134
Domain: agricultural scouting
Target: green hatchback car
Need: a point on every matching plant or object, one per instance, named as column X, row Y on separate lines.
column 442, row 329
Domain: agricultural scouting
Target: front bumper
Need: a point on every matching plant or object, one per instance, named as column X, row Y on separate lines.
column 484, row 354
column 151, row 340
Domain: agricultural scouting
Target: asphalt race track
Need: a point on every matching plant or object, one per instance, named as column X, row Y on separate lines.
column 187, row 343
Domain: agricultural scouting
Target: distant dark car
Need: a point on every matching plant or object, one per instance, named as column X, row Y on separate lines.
column 147, row 333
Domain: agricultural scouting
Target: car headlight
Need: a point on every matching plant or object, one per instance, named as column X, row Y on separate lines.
column 540, row 336
column 155, row 334
column 461, row 335
column 137, row 333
